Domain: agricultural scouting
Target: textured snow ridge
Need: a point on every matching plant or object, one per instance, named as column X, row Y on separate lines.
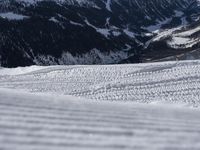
column 41, row 122
column 169, row 82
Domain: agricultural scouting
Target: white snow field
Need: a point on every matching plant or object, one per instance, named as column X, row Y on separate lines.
column 126, row 107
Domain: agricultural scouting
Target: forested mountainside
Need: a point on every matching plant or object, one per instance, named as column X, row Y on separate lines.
column 49, row 32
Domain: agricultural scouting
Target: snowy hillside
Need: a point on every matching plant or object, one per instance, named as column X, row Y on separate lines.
column 174, row 82
column 116, row 107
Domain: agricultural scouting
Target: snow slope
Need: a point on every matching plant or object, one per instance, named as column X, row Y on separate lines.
column 140, row 107
column 30, row 121
column 174, row 82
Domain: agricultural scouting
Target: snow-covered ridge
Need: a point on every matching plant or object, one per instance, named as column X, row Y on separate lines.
column 184, row 39
column 171, row 82
column 178, row 38
column 19, row 70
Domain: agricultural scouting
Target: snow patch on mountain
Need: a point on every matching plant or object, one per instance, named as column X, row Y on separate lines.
column 182, row 42
column 156, row 28
column 183, row 39
column 198, row 1
column 76, row 24
column 189, row 32
column 13, row 16
column 104, row 31
column 108, row 5
column 53, row 19
column 129, row 33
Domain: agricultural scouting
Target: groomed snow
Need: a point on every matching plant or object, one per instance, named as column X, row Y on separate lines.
column 53, row 122
column 114, row 107
column 174, row 82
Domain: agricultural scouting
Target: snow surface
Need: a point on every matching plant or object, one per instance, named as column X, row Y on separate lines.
column 31, row 121
column 174, row 82
column 140, row 107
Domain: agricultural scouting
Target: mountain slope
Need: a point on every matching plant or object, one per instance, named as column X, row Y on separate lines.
column 85, row 31
column 178, row 42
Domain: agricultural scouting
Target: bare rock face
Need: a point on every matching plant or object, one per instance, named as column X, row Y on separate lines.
column 48, row 32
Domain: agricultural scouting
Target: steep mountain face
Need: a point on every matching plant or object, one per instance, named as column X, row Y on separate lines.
column 46, row 32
